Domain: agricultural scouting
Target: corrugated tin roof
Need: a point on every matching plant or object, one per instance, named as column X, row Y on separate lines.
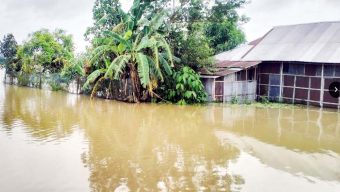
column 314, row 42
column 234, row 54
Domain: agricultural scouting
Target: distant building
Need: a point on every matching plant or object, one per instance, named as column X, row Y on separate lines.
column 293, row 64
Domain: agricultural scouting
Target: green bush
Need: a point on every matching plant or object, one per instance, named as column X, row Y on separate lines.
column 264, row 100
column 23, row 79
column 185, row 87
column 234, row 100
column 55, row 86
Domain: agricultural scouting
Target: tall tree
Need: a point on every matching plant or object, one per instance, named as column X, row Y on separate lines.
column 223, row 26
column 138, row 52
column 8, row 49
column 45, row 51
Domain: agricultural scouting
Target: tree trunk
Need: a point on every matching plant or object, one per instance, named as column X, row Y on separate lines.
column 135, row 83
column 40, row 82
column 78, row 85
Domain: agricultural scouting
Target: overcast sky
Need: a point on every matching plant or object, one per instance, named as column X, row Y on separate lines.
column 21, row 17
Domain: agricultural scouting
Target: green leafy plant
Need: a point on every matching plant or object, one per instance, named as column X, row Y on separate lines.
column 264, row 100
column 234, row 100
column 74, row 69
column 185, row 87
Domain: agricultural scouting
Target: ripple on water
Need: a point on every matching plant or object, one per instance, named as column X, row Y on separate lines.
column 111, row 146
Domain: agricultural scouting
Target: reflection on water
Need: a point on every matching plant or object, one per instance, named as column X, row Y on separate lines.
column 56, row 141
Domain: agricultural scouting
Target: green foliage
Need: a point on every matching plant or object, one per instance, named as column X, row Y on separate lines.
column 247, row 101
column 74, row 68
column 223, row 27
column 23, row 79
column 224, row 36
column 2, row 60
column 196, row 51
column 264, row 100
column 234, row 100
column 8, row 50
column 45, row 52
column 133, row 49
column 106, row 15
column 55, row 86
column 185, row 87
column 200, row 29
column 138, row 45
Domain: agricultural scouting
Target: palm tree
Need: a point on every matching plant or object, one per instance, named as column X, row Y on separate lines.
column 135, row 50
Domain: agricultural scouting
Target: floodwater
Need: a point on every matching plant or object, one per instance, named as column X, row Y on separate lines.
column 53, row 141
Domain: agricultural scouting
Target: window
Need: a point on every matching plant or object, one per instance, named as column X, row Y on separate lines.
column 274, row 92
column 294, row 69
column 251, row 74
column 329, row 70
column 319, row 70
column 337, row 71
column 274, row 79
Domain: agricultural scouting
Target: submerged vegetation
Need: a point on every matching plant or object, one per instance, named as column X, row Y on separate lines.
column 153, row 52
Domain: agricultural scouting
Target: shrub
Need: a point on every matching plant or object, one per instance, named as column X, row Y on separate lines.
column 264, row 100
column 234, row 100
column 185, row 87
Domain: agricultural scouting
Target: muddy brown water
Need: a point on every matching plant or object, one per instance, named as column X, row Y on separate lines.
column 53, row 141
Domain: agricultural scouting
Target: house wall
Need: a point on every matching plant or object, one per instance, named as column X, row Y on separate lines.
column 230, row 87
column 296, row 82
column 209, row 86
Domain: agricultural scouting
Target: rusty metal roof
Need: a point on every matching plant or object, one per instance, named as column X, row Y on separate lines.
column 237, row 64
column 313, row 42
column 218, row 72
column 230, row 61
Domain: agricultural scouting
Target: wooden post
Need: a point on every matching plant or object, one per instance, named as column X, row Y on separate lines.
column 294, row 89
column 214, row 90
column 281, row 82
column 322, row 85
column 245, row 94
column 257, row 81
column 223, row 94
column 309, row 90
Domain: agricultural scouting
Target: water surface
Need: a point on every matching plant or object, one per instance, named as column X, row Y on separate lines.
column 53, row 141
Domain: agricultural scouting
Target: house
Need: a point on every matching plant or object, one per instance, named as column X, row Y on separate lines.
column 292, row 64
column 232, row 77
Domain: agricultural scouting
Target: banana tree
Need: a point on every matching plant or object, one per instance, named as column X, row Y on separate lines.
column 139, row 52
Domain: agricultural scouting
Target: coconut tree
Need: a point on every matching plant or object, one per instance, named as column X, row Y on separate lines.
column 136, row 50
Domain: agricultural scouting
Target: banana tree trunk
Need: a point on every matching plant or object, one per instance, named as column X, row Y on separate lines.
column 136, row 86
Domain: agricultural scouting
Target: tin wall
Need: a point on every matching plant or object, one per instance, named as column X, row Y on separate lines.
column 297, row 82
